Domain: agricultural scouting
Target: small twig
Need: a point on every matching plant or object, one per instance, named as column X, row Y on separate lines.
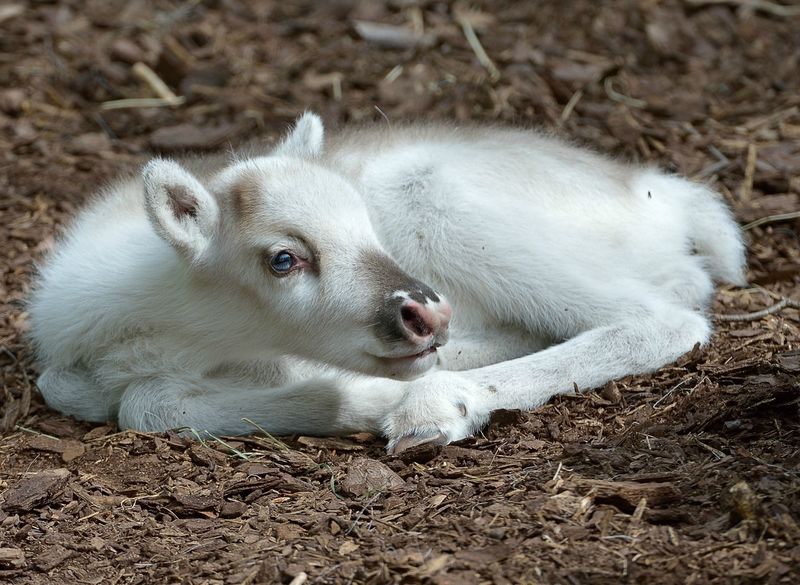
column 722, row 162
column 749, row 172
column 104, row 125
column 558, row 471
column 395, row 72
column 613, row 94
column 477, row 48
column 620, row 537
column 770, row 119
column 417, row 20
column 779, row 306
column 299, row 579
column 639, row 511
column 142, row 103
column 754, row 288
column 713, row 450
column 573, row 101
column 4, row 350
column 716, row 152
column 396, row 527
column 668, row 394
column 762, row 5
column 770, row 219
column 128, row 503
column 92, row 515
column 177, row 50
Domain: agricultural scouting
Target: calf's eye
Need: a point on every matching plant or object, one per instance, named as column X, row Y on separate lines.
column 282, row 262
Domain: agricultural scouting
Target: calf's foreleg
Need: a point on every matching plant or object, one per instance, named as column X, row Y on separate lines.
column 446, row 406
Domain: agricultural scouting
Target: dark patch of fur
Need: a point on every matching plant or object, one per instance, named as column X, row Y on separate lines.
column 182, row 202
column 387, row 278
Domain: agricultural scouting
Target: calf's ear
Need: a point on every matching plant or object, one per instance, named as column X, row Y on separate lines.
column 180, row 209
column 306, row 138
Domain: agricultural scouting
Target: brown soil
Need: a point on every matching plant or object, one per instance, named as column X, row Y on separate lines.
column 690, row 475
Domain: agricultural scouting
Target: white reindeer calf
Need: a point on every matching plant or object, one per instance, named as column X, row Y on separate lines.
column 283, row 288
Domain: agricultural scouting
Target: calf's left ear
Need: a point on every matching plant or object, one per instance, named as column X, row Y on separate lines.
column 180, row 209
column 306, row 138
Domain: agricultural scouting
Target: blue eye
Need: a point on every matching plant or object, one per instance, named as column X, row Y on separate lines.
column 282, row 262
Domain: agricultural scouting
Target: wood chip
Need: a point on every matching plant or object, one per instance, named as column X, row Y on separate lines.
column 52, row 557
column 11, row 558
column 89, row 143
column 193, row 137
column 36, row 490
column 367, row 476
column 9, row 11
column 232, row 509
column 347, row 547
column 631, row 492
column 330, row 443
column 69, row 449
column 392, row 37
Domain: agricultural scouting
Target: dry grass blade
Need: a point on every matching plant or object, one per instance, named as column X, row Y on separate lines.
column 278, row 443
column 480, row 52
column 166, row 97
column 759, row 5
column 746, row 190
column 612, row 93
column 152, row 79
column 34, row 432
column 573, row 101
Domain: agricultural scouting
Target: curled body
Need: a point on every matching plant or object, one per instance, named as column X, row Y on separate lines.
column 405, row 281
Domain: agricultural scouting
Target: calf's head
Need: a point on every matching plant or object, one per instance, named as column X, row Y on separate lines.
column 295, row 240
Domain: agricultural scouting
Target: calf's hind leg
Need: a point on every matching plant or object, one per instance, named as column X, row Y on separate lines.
column 447, row 406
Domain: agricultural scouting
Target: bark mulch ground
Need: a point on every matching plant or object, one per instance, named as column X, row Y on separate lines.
column 689, row 475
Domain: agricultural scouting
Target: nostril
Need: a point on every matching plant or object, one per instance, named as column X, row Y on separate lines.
column 414, row 322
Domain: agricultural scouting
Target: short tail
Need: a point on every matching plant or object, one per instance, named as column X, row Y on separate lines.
column 716, row 235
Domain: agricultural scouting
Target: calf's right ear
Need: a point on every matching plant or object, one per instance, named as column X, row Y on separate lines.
column 305, row 139
column 180, row 209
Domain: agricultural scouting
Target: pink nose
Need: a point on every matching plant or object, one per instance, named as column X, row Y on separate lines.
column 428, row 320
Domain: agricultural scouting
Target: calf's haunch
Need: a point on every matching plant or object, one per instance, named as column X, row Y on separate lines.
column 403, row 280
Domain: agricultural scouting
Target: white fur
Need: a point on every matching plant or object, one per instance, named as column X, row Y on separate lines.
column 306, row 138
column 163, row 321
